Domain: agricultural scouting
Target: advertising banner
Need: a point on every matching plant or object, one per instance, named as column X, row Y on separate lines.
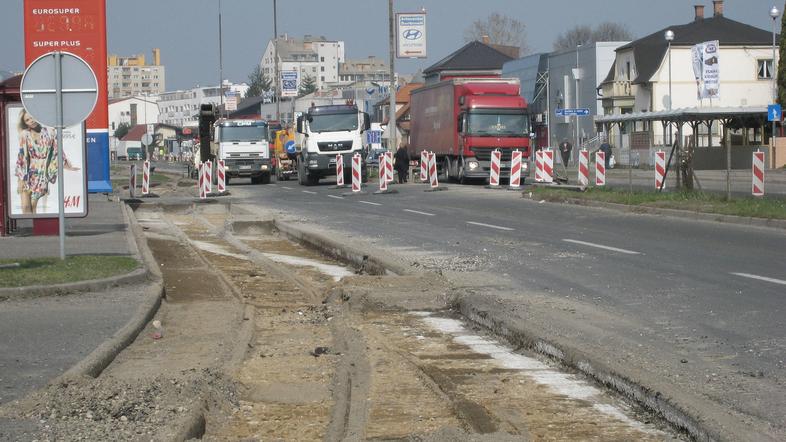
column 79, row 27
column 411, row 35
column 31, row 166
column 706, row 69
column 289, row 83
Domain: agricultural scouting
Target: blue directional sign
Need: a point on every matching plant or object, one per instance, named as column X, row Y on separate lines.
column 774, row 112
column 374, row 136
column 570, row 112
column 290, row 146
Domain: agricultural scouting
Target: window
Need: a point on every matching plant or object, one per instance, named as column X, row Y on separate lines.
column 764, row 71
column 322, row 69
column 322, row 59
column 322, row 78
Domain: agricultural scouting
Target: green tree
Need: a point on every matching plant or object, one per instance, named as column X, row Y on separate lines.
column 781, row 80
column 307, row 85
column 258, row 83
column 122, row 130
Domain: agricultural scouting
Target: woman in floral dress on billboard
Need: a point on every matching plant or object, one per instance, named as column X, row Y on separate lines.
column 36, row 164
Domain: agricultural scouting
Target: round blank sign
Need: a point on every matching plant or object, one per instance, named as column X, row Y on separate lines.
column 77, row 83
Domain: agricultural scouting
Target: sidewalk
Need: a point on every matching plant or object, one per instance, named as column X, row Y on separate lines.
column 101, row 232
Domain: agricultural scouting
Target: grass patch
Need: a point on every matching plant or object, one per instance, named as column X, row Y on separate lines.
column 47, row 271
column 769, row 208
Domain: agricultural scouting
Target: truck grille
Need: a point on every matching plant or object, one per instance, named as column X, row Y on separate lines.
column 334, row 146
column 485, row 154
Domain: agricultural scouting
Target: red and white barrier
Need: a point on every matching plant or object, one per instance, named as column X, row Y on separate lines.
column 145, row 177
column 496, row 158
column 383, row 179
column 132, row 180
column 757, row 188
column 515, row 170
column 660, row 168
column 432, row 170
column 423, row 166
column 539, row 166
column 209, row 177
column 548, row 166
column 584, row 168
column 356, row 173
column 221, row 175
column 389, row 166
column 339, row 170
column 600, row 169
column 201, row 183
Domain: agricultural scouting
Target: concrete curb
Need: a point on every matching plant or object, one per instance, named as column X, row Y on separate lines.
column 104, row 354
column 368, row 261
column 676, row 213
column 93, row 285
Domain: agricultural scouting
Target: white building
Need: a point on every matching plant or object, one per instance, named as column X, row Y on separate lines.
column 639, row 78
column 180, row 108
column 130, row 111
column 314, row 57
column 129, row 76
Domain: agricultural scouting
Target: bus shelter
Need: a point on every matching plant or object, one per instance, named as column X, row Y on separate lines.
column 9, row 93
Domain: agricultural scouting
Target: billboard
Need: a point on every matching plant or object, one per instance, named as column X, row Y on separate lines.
column 411, row 35
column 289, row 86
column 31, row 165
column 706, row 69
column 79, row 27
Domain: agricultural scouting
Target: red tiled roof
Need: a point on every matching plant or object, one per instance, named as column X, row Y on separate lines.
column 135, row 133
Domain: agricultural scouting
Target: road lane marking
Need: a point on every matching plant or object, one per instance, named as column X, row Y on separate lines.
column 419, row 212
column 491, row 226
column 288, row 188
column 761, row 278
column 309, row 192
column 335, row 197
column 370, row 203
column 600, row 246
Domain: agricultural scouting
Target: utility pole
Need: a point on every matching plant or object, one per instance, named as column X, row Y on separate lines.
column 578, row 77
column 392, row 114
column 220, row 60
column 275, row 64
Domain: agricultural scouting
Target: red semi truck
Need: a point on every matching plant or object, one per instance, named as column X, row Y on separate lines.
column 463, row 120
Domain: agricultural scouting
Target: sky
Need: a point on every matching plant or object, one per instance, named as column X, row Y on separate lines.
column 186, row 31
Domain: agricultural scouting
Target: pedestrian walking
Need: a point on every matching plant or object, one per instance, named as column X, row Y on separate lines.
column 606, row 149
column 401, row 164
column 565, row 149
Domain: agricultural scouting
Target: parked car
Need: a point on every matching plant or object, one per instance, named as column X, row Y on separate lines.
column 373, row 157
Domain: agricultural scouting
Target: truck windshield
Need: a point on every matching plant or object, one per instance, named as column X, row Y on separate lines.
column 242, row 133
column 497, row 124
column 333, row 122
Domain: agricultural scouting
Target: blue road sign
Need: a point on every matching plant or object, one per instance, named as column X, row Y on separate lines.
column 290, row 146
column 374, row 136
column 774, row 112
column 577, row 112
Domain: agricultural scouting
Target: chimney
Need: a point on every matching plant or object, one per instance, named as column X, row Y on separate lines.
column 485, row 39
column 717, row 8
column 699, row 12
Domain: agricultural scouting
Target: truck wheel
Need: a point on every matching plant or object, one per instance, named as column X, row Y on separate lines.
column 301, row 173
column 462, row 178
column 445, row 171
column 265, row 179
column 254, row 179
column 312, row 180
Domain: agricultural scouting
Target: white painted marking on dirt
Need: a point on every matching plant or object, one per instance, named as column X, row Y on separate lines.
column 421, row 314
column 335, row 197
column 337, row 272
column 370, row 203
column 418, row 212
column 761, row 278
column 150, row 221
column 217, row 249
column 491, row 226
column 560, row 383
column 309, row 192
column 601, row 246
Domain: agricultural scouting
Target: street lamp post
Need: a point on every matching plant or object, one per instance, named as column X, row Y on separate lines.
column 774, row 13
column 578, row 77
column 276, row 73
column 669, row 38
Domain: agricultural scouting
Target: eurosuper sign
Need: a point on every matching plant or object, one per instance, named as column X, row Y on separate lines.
column 411, row 35
column 79, row 28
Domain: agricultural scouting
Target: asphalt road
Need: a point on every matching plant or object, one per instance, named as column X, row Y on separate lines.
column 704, row 286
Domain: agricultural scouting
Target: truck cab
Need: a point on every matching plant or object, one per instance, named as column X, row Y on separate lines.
column 325, row 131
column 245, row 148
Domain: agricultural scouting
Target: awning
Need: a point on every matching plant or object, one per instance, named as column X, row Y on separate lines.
column 688, row 114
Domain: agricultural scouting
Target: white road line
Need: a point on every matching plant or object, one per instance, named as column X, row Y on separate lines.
column 309, row 192
column 370, row 203
column 761, row 278
column 288, row 188
column 491, row 226
column 419, row 212
column 600, row 246
column 335, row 197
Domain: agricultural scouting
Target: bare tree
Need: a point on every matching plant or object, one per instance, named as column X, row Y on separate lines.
column 500, row 29
column 583, row 34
